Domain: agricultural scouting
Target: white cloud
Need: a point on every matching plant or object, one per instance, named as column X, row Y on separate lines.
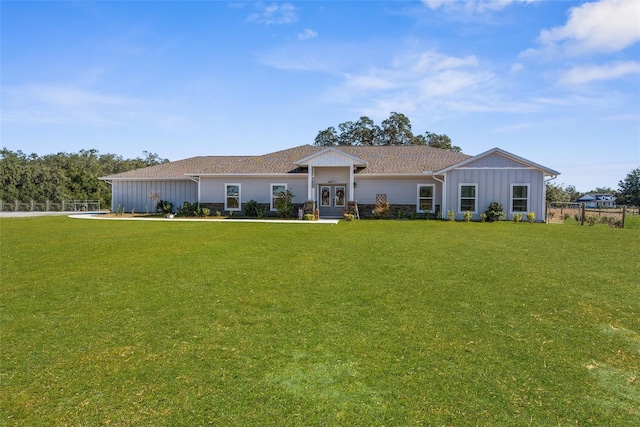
column 41, row 103
column 274, row 13
column 600, row 27
column 418, row 82
column 586, row 74
column 472, row 6
column 307, row 34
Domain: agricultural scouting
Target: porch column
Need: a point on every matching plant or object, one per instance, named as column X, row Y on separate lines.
column 310, row 192
column 352, row 190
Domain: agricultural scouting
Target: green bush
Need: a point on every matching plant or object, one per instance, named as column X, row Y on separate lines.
column 467, row 216
column 309, row 217
column 495, row 212
column 192, row 209
column 451, row 215
column 284, row 204
column 253, row 209
column 517, row 217
column 164, row 207
column 531, row 217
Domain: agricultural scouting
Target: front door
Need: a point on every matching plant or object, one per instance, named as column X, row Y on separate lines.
column 332, row 200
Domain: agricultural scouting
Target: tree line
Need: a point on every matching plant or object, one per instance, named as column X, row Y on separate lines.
column 63, row 176
column 395, row 130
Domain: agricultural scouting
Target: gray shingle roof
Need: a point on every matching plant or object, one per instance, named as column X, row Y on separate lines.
column 380, row 160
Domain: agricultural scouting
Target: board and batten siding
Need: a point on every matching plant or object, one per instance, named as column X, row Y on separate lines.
column 212, row 189
column 136, row 195
column 494, row 185
column 400, row 191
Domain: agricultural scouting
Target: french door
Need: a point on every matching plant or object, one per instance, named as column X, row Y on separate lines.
column 332, row 200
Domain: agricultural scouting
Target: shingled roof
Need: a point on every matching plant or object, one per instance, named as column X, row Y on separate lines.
column 392, row 160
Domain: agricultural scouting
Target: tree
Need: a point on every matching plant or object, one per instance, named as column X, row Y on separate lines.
column 629, row 189
column 63, row 176
column 440, row 141
column 327, row 138
column 395, row 130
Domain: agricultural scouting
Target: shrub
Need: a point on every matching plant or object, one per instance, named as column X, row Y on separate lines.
column 517, row 217
column 284, row 203
column 483, row 217
column 531, row 217
column 192, row 209
column 592, row 220
column 451, row 215
column 400, row 214
column 467, row 216
column 381, row 210
column 495, row 212
column 164, row 207
column 349, row 217
column 253, row 209
column 309, row 217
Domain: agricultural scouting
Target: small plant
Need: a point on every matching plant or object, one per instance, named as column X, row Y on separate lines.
column 349, row 217
column 615, row 222
column 309, row 217
column 451, row 215
column 230, row 214
column 400, row 214
column 495, row 212
column 517, row 217
column 218, row 214
column 531, row 217
column 467, row 216
column 155, row 197
column 253, row 209
column 164, row 207
column 483, row 217
column 381, row 210
column 192, row 209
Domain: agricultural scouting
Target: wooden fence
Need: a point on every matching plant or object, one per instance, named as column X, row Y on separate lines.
column 558, row 212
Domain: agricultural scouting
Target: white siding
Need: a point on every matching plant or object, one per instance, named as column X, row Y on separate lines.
column 135, row 195
column 494, row 185
column 323, row 175
column 398, row 190
column 212, row 189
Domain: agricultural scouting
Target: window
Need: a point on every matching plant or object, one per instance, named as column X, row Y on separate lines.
column 425, row 198
column 232, row 200
column 339, row 199
column 276, row 189
column 519, row 198
column 468, row 197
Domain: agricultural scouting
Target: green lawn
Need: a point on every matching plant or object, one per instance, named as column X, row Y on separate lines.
column 367, row 323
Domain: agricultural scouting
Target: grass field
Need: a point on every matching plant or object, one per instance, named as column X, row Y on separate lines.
column 369, row 323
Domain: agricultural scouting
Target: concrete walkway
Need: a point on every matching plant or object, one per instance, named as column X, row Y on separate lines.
column 7, row 214
column 268, row 221
column 101, row 216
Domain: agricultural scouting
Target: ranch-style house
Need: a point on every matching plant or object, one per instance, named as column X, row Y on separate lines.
column 413, row 179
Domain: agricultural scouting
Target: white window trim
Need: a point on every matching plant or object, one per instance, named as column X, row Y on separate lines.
column 227, row 184
column 511, row 197
column 273, row 206
column 467, row 184
column 433, row 198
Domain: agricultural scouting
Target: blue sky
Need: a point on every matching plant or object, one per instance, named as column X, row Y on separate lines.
column 556, row 82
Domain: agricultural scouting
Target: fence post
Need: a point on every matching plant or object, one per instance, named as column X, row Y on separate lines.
column 624, row 213
column 582, row 213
